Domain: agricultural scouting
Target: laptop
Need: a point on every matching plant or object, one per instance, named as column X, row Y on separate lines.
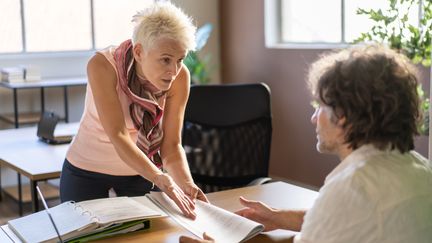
column 46, row 128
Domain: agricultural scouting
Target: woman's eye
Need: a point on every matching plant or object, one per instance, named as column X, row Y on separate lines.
column 166, row 60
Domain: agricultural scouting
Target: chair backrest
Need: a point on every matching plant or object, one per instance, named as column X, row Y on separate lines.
column 227, row 134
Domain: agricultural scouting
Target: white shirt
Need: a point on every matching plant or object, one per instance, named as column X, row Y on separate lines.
column 373, row 196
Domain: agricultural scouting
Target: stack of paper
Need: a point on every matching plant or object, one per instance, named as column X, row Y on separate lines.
column 32, row 73
column 220, row 224
column 12, row 74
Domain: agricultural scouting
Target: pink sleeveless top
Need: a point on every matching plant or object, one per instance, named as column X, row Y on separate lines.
column 91, row 148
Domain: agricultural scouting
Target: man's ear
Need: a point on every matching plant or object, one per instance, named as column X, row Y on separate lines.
column 138, row 51
column 341, row 121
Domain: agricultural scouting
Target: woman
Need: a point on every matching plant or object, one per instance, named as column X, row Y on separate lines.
column 134, row 108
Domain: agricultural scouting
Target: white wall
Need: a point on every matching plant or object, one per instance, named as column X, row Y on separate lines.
column 61, row 65
column 206, row 11
column 430, row 120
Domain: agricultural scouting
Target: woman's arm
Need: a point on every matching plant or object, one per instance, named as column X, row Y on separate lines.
column 103, row 79
column 172, row 152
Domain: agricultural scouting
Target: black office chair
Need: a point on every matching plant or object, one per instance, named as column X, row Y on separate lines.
column 227, row 135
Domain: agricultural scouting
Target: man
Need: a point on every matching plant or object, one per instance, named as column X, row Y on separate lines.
column 366, row 113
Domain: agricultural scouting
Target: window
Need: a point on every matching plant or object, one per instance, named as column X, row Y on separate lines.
column 37, row 26
column 303, row 23
column 108, row 29
column 57, row 25
column 316, row 23
column 11, row 42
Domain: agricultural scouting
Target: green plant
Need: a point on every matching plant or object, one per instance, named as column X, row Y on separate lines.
column 199, row 67
column 424, row 125
column 392, row 27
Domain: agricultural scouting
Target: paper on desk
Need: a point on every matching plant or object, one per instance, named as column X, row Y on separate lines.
column 66, row 130
column 145, row 201
column 220, row 224
column 117, row 210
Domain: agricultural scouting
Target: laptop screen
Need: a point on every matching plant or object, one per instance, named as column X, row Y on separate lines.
column 47, row 124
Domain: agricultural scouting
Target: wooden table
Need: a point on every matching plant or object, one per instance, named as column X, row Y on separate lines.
column 277, row 194
column 64, row 83
column 23, row 152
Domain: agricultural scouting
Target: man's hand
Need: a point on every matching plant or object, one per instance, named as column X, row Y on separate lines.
column 194, row 192
column 187, row 239
column 259, row 212
column 173, row 191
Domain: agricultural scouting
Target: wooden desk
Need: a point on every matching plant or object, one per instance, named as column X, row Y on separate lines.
column 277, row 194
column 21, row 150
column 48, row 83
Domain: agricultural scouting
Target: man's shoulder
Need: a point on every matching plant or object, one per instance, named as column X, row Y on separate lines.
column 391, row 175
column 373, row 194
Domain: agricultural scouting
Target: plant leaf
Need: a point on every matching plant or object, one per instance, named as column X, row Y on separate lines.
column 202, row 35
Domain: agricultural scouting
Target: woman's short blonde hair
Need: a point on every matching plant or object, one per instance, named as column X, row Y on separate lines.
column 163, row 20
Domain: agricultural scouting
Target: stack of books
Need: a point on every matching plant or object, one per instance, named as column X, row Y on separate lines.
column 12, row 74
column 25, row 73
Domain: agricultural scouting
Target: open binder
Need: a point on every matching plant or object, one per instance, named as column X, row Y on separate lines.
column 84, row 221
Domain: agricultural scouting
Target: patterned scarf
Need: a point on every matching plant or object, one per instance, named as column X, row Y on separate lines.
column 146, row 103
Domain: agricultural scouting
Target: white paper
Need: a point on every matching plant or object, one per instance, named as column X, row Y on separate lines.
column 221, row 225
column 116, row 210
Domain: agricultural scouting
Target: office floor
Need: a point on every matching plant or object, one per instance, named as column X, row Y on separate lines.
column 9, row 208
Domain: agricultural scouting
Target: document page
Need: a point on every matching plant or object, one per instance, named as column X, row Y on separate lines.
column 222, row 225
column 4, row 237
column 145, row 201
column 116, row 210
column 10, row 234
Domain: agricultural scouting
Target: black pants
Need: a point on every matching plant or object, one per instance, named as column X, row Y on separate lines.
column 78, row 185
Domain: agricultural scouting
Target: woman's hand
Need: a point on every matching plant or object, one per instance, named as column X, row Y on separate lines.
column 259, row 212
column 187, row 239
column 173, row 191
column 194, row 192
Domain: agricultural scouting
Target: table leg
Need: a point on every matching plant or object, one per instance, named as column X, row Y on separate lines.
column 20, row 201
column 42, row 96
column 66, row 106
column 15, row 101
column 34, row 196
